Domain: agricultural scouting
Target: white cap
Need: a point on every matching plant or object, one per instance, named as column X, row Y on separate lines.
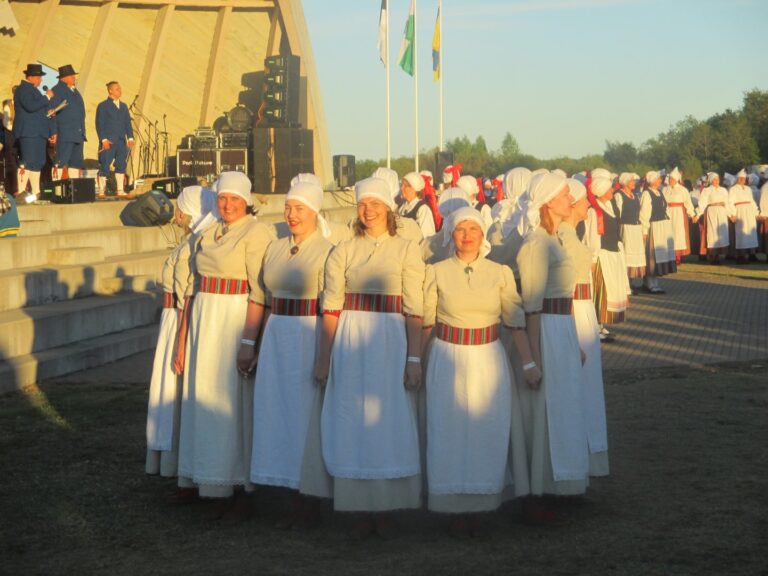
column 375, row 188
column 235, row 183
column 415, row 180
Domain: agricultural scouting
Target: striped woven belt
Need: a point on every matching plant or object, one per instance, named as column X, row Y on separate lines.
column 169, row 300
column 718, row 204
column 675, row 204
column 374, row 303
column 294, row 307
column 467, row 336
column 213, row 285
column 742, row 203
column 582, row 292
column 557, row 306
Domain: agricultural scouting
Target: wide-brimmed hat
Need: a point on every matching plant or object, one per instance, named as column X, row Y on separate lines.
column 66, row 70
column 34, row 70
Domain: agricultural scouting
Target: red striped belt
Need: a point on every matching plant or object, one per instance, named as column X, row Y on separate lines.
column 582, row 292
column 467, row 336
column 716, row 204
column 742, row 203
column 169, row 300
column 213, row 285
column 374, row 303
column 557, row 306
column 675, row 204
column 294, row 307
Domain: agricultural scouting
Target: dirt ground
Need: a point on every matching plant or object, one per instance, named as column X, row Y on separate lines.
column 687, row 494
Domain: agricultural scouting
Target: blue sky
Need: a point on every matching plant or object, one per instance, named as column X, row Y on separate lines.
column 563, row 76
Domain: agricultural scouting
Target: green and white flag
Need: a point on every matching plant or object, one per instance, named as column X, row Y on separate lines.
column 405, row 57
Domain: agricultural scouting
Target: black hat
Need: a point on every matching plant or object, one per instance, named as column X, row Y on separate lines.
column 66, row 71
column 34, row 70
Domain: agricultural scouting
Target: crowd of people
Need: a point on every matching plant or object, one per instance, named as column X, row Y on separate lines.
column 433, row 351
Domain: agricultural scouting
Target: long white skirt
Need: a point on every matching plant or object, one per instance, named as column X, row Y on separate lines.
column 663, row 245
column 217, row 404
column 593, row 391
column 717, row 227
column 369, row 423
column 680, row 236
column 283, row 396
column 164, row 401
column 553, row 414
column 634, row 249
column 469, row 424
column 746, row 227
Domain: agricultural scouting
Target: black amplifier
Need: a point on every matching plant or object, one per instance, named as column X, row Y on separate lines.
column 73, row 191
column 234, row 139
column 201, row 142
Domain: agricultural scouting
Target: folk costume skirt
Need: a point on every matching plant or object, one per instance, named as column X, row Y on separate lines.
column 634, row 249
column 660, row 249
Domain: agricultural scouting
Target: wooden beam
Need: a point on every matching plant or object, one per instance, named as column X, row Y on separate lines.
column 214, row 67
column 99, row 36
column 37, row 35
column 212, row 4
column 273, row 40
column 152, row 62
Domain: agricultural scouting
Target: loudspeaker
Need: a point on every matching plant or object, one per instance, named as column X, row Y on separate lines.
column 282, row 81
column 344, row 170
column 172, row 187
column 443, row 159
column 73, row 191
column 150, row 209
column 279, row 154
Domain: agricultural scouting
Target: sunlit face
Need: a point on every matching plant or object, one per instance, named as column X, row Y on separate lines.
column 68, row 80
column 115, row 91
column 579, row 209
column 741, row 180
column 301, row 219
column 607, row 196
column 372, row 212
column 468, row 237
column 179, row 217
column 672, row 181
column 560, row 205
column 35, row 80
column 407, row 190
column 716, row 181
column 656, row 183
column 630, row 185
column 231, row 207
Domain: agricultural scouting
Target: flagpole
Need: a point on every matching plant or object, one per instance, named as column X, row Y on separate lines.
column 416, row 81
column 440, row 69
column 389, row 109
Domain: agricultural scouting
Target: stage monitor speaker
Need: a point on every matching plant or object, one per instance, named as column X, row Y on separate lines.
column 150, row 209
column 172, row 187
column 443, row 159
column 344, row 170
column 73, row 191
column 279, row 154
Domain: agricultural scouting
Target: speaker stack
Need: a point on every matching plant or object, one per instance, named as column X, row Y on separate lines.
column 279, row 154
column 344, row 170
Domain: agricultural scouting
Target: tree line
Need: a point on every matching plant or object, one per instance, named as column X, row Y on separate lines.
column 725, row 142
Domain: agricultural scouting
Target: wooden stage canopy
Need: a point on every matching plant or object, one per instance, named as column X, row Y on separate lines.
column 182, row 59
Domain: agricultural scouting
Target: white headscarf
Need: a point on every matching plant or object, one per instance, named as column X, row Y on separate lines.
column 428, row 174
column 601, row 173
column 516, row 183
column 577, row 190
column 375, row 188
column 651, row 176
column 306, row 177
column 541, row 190
column 451, row 200
column 391, row 178
column 468, row 184
column 627, row 177
column 539, row 171
column 415, row 180
column 462, row 215
column 310, row 194
column 600, row 186
column 741, row 173
column 711, row 177
column 675, row 174
column 560, row 172
column 235, row 183
column 200, row 204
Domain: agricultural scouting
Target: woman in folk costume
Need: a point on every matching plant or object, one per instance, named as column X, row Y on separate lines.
column 587, row 330
column 451, row 176
column 680, row 209
column 469, row 185
column 603, row 237
column 225, row 317
column 475, row 443
column 195, row 211
column 370, row 353
column 430, row 196
column 628, row 204
column 287, row 401
column 553, row 415
column 745, row 219
column 503, row 235
column 437, row 248
column 715, row 209
column 657, row 234
column 414, row 206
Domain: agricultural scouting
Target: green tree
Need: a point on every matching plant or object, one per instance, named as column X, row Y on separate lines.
column 620, row 155
column 756, row 112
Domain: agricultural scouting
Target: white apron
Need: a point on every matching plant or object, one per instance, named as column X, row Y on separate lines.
column 163, row 387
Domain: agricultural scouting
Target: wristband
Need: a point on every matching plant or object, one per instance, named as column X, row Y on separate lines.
column 248, row 341
column 529, row 365
column 413, row 360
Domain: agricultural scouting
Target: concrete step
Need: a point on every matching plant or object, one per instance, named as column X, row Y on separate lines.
column 32, row 368
column 25, row 252
column 121, row 284
column 74, row 256
column 30, row 330
column 35, row 228
column 42, row 285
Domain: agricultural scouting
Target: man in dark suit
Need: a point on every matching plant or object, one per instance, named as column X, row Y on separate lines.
column 31, row 127
column 113, row 125
column 69, row 123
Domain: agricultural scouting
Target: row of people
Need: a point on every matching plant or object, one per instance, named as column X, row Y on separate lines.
column 513, row 403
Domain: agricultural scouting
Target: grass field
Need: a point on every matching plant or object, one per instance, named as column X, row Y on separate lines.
column 687, row 495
